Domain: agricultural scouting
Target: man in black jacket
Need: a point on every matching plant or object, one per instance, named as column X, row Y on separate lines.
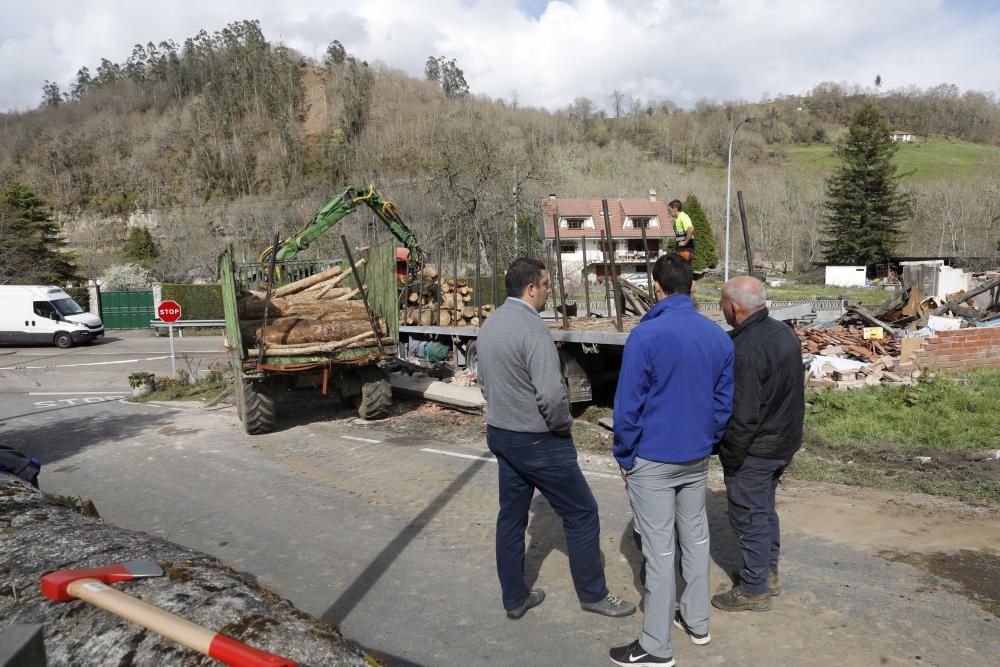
column 764, row 433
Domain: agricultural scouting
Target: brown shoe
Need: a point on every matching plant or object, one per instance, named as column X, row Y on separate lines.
column 736, row 600
column 773, row 584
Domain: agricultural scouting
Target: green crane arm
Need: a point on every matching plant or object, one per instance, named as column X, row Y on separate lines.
column 336, row 209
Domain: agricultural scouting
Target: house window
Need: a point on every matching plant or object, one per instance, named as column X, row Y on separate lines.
column 640, row 223
column 567, row 247
column 575, row 223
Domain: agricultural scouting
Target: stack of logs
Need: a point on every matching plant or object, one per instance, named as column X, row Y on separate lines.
column 444, row 302
column 312, row 315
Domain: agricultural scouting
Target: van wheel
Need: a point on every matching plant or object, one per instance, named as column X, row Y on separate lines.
column 63, row 340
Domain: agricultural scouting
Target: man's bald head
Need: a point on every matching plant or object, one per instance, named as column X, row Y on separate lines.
column 742, row 297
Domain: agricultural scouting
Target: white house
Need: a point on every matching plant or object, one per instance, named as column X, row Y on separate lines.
column 581, row 222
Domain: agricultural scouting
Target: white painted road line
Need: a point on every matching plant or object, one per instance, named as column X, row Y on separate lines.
column 125, row 401
column 461, row 456
column 92, row 363
column 490, row 459
column 72, row 393
column 353, row 437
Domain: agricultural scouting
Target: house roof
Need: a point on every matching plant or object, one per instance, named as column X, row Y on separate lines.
column 618, row 209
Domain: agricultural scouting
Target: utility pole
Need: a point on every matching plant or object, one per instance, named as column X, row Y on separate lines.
column 729, row 179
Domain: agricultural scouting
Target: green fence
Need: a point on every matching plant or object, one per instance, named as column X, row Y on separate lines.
column 198, row 302
column 127, row 309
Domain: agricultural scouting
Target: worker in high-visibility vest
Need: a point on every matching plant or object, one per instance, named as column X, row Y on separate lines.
column 683, row 230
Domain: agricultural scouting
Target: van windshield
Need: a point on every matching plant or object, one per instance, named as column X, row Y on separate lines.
column 67, row 307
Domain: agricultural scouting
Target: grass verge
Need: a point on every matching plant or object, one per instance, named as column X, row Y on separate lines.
column 930, row 437
column 185, row 389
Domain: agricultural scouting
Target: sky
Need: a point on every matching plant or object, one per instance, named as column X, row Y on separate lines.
column 546, row 53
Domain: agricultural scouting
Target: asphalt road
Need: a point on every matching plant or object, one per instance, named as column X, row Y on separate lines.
column 390, row 535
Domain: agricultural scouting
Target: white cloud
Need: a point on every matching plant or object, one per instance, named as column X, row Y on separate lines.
column 682, row 50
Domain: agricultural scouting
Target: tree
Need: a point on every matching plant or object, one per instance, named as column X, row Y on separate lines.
column 453, row 80
column 432, row 69
column 448, row 74
column 705, row 254
column 81, row 84
column 31, row 251
column 864, row 206
column 878, row 80
column 140, row 247
column 335, row 53
column 51, row 96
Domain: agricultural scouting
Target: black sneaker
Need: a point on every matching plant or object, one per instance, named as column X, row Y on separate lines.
column 534, row 599
column 698, row 640
column 612, row 606
column 633, row 655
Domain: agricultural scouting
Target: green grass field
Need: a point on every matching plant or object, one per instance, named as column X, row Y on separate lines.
column 709, row 290
column 927, row 160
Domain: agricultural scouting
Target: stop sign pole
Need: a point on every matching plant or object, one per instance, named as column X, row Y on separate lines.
column 170, row 312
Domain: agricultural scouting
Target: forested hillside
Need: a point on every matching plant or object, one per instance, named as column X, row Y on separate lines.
column 226, row 138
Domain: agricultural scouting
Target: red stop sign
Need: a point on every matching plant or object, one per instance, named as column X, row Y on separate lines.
column 169, row 311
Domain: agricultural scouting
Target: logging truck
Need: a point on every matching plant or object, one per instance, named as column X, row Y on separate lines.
column 294, row 324
column 448, row 310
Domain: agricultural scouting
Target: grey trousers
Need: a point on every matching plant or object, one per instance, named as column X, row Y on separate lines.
column 665, row 496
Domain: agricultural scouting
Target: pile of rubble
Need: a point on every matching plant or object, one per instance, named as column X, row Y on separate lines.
column 977, row 306
column 841, row 357
column 864, row 347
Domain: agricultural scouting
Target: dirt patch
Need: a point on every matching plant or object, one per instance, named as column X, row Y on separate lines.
column 428, row 420
column 976, row 573
column 927, row 470
column 170, row 430
column 314, row 122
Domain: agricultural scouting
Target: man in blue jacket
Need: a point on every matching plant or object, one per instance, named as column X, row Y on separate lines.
column 674, row 398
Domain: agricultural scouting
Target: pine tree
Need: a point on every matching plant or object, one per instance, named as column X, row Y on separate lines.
column 140, row 247
column 705, row 255
column 31, row 251
column 864, row 206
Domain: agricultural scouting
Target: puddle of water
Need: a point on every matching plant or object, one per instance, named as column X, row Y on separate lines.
column 976, row 572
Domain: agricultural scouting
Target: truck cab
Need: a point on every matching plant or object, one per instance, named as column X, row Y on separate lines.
column 44, row 315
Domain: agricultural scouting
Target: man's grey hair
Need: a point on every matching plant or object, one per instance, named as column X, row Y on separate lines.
column 749, row 294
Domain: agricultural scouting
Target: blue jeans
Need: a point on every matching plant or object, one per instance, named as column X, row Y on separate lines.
column 750, row 491
column 547, row 462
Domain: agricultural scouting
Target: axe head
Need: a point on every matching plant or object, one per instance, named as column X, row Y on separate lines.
column 54, row 584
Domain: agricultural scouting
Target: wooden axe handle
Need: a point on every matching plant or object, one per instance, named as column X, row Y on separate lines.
column 181, row 630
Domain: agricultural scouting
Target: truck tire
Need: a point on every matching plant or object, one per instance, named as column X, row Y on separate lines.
column 376, row 393
column 472, row 357
column 63, row 340
column 259, row 413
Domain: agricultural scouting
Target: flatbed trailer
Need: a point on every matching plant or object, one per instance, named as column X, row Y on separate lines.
column 590, row 350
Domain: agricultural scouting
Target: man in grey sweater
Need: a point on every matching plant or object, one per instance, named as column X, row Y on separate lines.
column 528, row 429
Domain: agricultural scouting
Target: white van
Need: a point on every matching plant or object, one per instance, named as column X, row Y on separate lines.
column 39, row 314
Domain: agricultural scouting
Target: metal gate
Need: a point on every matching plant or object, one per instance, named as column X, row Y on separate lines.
column 127, row 309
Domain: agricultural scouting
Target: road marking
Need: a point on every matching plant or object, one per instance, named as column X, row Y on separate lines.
column 353, row 437
column 92, row 363
column 155, row 405
column 491, row 459
column 66, row 402
column 68, row 393
column 602, row 475
column 461, row 456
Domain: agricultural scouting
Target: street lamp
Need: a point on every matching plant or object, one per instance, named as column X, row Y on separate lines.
column 729, row 178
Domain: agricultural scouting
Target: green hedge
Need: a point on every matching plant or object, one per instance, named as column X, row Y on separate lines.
column 198, row 302
column 81, row 295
